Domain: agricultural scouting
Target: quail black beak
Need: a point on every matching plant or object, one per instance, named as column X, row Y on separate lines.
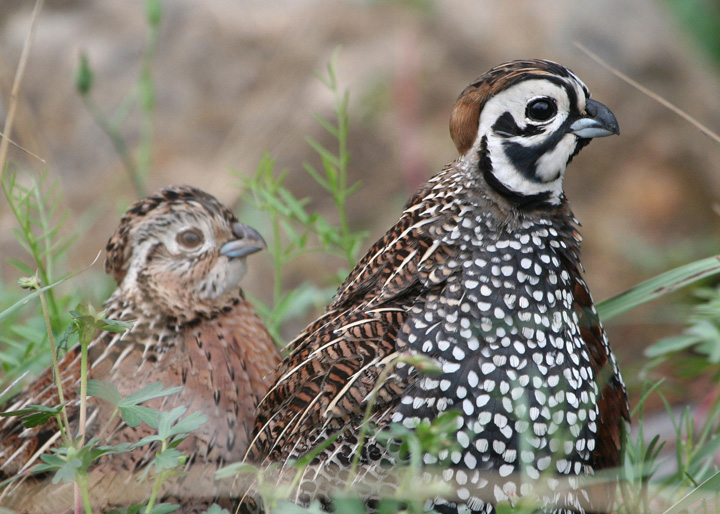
column 248, row 241
column 598, row 121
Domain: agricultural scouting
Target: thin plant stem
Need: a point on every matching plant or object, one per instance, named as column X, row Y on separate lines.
column 702, row 128
column 23, row 149
column 279, row 260
column 82, row 483
column 389, row 367
column 14, row 92
column 47, row 275
column 118, row 143
column 157, row 485
column 107, row 425
column 147, row 128
column 83, row 391
column 56, row 367
column 713, row 413
column 61, row 425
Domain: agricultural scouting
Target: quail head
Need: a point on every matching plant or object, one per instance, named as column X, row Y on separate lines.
column 177, row 256
column 482, row 275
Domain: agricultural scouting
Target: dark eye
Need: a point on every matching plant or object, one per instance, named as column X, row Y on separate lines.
column 541, row 109
column 191, row 238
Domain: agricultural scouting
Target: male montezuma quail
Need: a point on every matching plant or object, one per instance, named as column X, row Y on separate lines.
column 482, row 274
column 177, row 257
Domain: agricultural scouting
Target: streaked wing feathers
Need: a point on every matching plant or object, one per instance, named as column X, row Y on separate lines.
column 335, row 363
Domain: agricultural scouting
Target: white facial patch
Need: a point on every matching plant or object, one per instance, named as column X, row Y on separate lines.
column 549, row 168
column 224, row 275
column 551, row 165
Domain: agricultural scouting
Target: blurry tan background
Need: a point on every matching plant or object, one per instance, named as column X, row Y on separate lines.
column 236, row 78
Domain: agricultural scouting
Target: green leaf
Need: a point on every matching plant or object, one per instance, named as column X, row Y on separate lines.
column 35, row 415
column 115, row 448
column 62, row 340
column 236, row 468
column 332, row 130
column 83, row 76
column 658, row 286
column 21, row 303
column 29, row 333
column 37, row 419
column 671, row 345
column 24, row 268
column 113, row 325
column 163, row 508
column 168, row 459
column 105, row 391
column 132, row 509
column 31, row 409
column 65, row 470
column 188, row 424
column 153, row 12
column 135, row 415
column 504, row 508
column 392, row 506
column 296, row 206
column 132, row 413
column 146, row 440
column 350, row 505
column 315, row 174
column 708, row 489
column 166, row 420
column 704, row 455
column 89, row 453
column 149, row 392
column 8, row 360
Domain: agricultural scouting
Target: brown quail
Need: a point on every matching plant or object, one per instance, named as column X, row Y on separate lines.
column 482, row 275
column 177, row 257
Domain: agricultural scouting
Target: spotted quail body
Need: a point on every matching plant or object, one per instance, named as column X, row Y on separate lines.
column 482, row 274
column 177, row 257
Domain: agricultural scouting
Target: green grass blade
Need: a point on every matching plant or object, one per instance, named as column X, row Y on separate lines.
column 658, row 286
column 708, row 488
column 24, row 301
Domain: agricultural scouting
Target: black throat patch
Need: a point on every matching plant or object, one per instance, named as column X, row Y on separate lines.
column 519, row 200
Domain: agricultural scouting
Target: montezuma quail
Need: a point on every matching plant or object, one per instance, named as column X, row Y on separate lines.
column 177, row 257
column 482, row 274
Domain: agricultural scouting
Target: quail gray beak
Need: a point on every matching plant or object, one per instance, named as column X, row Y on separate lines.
column 248, row 241
column 598, row 121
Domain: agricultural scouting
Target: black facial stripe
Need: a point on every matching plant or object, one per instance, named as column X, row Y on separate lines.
column 524, row 158
column 506, row 126
column 521, row 201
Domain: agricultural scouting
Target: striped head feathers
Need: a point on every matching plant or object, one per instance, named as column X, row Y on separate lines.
column 180, row 253
column 522, row 122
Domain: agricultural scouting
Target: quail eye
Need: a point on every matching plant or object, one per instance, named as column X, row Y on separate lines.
column 191, row 238
column 541, row 109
